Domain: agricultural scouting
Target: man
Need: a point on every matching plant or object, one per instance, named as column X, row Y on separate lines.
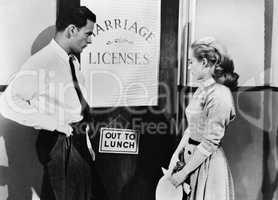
column 47, row 94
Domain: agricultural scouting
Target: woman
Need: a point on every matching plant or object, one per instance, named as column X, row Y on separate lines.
column 209, row 112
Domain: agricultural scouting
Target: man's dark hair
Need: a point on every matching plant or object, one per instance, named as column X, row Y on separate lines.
column 76, row 16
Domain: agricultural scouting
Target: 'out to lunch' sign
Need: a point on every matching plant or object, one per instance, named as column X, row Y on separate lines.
column 113, row 140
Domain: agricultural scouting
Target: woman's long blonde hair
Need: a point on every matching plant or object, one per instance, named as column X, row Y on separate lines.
column 217, row 57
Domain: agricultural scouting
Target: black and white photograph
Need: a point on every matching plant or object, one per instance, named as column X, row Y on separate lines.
column 139, row 100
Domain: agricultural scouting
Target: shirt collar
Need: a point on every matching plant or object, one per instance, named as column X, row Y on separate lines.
column 206, row 83
column 59, row 50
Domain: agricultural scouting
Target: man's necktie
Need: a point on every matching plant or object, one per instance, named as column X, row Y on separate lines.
column 85, row 108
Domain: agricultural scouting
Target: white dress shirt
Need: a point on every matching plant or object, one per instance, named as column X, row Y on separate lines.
column 42, row 94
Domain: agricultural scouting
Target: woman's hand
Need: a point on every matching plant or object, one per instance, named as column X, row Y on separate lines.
column 177, row 178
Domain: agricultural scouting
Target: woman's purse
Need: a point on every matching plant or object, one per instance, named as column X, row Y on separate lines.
column 179, row 166
column 180, row 163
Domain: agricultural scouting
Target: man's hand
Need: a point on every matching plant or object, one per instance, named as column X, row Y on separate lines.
column 67, row 130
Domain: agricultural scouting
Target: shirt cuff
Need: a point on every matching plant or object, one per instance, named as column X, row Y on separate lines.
column 203, row 150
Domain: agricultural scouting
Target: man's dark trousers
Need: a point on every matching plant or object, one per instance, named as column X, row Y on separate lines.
column 68, row 167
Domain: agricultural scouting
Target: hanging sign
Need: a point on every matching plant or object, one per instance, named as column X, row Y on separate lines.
column 121, row 65
column 113, row 140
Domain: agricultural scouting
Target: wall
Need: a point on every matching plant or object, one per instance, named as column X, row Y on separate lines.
column 270, row 150
column 22, row 22
column 243, row 145
column 239, row 25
